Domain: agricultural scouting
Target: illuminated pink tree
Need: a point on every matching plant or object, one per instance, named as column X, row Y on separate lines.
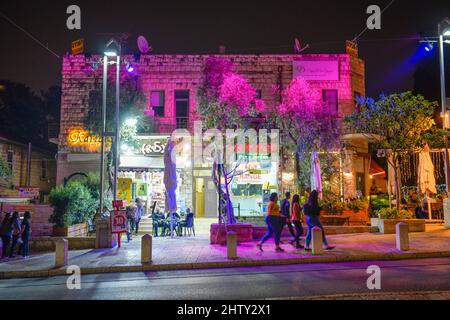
column 225, row 100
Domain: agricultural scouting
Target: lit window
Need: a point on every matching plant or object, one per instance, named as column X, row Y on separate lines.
column 157, row 103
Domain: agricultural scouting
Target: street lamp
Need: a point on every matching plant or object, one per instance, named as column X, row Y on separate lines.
column 444, row 31
column 112, row 50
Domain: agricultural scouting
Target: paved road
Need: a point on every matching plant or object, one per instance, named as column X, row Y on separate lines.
column 240, row 283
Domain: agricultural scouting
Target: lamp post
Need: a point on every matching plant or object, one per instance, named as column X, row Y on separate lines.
column 444, row 31
column 112, row 50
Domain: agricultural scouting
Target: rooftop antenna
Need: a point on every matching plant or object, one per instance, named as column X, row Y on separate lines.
column 298, row 47
column 143, row 45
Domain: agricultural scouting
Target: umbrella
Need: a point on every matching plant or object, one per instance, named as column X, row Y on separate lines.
column 425, row 175
column 170, row 181
column 316, row 177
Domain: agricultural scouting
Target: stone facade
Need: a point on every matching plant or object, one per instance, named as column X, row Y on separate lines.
column 184, row 72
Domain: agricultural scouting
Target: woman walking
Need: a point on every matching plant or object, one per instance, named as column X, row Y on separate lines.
column 273, row 221
column 296, row 217
column 16, row 232
column 312, row 211
column 26, row 231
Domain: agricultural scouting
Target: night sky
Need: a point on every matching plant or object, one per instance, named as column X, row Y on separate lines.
column 202, row 26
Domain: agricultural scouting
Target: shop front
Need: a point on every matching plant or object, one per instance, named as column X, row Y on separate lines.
column 141, row 174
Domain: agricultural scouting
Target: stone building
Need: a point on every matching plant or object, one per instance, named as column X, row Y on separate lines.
column 42, row 175
column 170, row 83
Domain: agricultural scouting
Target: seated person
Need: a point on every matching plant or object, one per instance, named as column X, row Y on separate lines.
column 176, row 224
column 158, row 221
column 189, row 215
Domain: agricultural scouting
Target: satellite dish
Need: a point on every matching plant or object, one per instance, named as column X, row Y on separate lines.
column 298, row 48
column 143, row 45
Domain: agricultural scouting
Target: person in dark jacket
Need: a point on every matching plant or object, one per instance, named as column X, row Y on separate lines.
column 26, row 232
column 6, row 233
column 286, row 214
column 16, row 232
column 312, row 211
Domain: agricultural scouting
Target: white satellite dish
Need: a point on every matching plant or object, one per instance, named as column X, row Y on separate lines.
column 298, row 47
column 143, row 45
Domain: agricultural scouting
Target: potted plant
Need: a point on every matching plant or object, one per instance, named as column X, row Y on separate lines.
column 389, row 217
column 73, row 206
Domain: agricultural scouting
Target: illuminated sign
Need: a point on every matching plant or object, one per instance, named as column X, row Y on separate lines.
column 153, row 148
column 317, row 70
column 78, row 46
column 81, row 138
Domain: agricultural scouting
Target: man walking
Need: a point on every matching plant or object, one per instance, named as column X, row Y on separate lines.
column 286, row 214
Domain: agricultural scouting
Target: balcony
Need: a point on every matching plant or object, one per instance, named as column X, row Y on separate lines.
column 168, row 125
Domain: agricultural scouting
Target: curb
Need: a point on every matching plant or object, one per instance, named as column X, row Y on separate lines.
column 224, row 264
column 404, row 295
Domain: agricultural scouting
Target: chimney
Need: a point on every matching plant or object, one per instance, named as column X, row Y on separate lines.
column 222, row 49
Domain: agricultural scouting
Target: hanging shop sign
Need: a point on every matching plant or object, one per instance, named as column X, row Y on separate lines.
column 317, row 70
column 124, row 186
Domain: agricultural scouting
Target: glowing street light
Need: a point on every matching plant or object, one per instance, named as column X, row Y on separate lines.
column 131, row 122
column 112, row 50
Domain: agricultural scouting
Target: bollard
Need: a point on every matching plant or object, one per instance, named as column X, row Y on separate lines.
column 146, row 249
column 402, row 236
column 61, row 253
column 232, row 245
column 317, row 244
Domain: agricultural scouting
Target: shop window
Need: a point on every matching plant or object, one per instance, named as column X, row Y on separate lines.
column 157, row 103
column 10, row 157
column 44, row 169
column 182, row 108
column 330, row 99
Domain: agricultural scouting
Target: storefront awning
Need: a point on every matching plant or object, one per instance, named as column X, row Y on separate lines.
column 376, row 170
column 141, row 162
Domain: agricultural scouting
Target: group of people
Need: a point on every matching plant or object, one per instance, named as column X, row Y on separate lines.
column 291, row 215
column 135, row 212
column 164, row 222
column 13, row 231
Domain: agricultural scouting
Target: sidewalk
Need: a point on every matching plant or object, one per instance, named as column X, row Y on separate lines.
column 196, row 252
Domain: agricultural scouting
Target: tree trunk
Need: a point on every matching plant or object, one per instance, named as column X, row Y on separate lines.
column 397, row 185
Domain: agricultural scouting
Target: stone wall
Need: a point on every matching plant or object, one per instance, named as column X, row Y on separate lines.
column 40, row 226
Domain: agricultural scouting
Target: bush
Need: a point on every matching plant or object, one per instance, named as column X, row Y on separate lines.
column 392, row 213
column 378, row 203
column 333, row 207
column 357, row 205
column 72, row 204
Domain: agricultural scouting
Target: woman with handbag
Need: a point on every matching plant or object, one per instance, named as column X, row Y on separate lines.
column 16, row 233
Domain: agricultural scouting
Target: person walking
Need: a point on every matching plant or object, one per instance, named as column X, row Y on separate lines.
column 296, row 217
column 16, row 233
column 26, row 232
column 273, row 221
column 130, row 223
column 6, row 233
column 286, row 214
column 312, row 211
column 138, row 214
